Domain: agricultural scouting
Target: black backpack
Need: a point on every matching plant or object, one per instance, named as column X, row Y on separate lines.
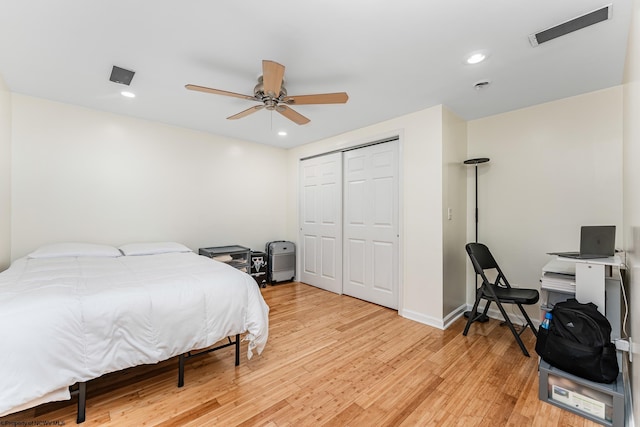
column 578, row 341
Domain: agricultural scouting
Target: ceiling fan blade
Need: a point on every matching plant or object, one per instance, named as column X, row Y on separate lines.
column 219, row 92
column 292, row 115
column 246, row 112
column 321, row 98
column 272, row 75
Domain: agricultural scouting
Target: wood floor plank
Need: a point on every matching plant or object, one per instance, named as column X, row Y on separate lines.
column 332, row 360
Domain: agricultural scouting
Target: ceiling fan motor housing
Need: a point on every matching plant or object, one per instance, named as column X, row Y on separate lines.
column 270, row 102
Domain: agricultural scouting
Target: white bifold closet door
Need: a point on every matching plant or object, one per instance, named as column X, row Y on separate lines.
column 321, row 222
column 349, row 223
column 370, row 224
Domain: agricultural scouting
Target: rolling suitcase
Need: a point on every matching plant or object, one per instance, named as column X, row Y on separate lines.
column 281, row 261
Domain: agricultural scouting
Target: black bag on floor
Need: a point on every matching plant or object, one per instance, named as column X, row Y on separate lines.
column 578, row 341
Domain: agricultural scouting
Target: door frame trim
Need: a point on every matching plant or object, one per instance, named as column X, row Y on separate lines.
column 354, row 147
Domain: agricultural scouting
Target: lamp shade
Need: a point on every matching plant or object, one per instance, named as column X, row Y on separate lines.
column 476, row 161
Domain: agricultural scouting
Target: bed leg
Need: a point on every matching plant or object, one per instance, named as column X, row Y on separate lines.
column 181, row 370
column 237, row 349
column 188, row 355
column 82, row 402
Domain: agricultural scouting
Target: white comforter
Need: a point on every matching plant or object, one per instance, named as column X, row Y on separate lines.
column 64, row 320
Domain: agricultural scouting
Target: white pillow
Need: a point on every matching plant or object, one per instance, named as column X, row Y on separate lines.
column 154, row 248
column 55, row 250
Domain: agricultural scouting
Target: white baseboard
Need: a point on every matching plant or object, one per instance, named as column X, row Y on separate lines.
column 454, row 315
column 516, row 317
column 421, row 318
column 493, row 313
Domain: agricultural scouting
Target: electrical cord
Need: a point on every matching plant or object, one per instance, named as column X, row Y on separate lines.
column 626, row 304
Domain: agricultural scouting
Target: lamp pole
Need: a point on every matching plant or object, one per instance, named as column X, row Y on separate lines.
column 481, row 318
column 476, row 162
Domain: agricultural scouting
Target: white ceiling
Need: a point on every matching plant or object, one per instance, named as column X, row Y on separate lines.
column 391, row 57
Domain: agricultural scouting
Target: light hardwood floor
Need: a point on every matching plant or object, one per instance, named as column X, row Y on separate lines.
column 336, row 361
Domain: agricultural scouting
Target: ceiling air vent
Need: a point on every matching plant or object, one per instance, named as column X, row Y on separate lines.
column 570, row 26
column 120, row 75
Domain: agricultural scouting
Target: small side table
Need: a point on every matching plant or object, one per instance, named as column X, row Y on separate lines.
column 235, row 255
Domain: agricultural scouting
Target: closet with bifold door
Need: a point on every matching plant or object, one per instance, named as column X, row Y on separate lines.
column 349, row 222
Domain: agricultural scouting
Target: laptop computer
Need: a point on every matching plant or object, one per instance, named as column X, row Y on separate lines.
column 596, row 241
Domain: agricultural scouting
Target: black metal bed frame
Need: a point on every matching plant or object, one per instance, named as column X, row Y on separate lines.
column 189, row 355
column 80, row 389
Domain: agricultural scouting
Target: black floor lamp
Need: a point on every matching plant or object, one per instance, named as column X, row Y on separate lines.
column 481, row 318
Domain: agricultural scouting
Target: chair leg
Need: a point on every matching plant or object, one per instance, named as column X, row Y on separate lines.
column 473, row 314
column 529, row 322
column 515, row 333
column 486, row 307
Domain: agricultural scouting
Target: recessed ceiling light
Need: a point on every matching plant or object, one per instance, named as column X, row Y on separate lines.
column 282, row 133
column 476, row 58
column 128, row 94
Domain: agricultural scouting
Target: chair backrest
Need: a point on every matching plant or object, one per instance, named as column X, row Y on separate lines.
column 482, row 260
column 481, row 257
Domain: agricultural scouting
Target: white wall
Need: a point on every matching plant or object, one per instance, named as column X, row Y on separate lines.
column 454, row 186
column 421, row 204
column 553, row 168
column 632, row 191
column 5, row 175
column 85, row 175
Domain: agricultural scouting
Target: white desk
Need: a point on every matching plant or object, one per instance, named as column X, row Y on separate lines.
column 596, row 281
column 591, row 278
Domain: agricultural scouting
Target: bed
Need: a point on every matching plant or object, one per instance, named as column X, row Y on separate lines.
column 72, row 312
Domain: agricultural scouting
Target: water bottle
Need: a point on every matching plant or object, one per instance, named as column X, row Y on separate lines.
column 546, row 321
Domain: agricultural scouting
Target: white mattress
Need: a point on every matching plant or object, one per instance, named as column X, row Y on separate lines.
column 70, row 319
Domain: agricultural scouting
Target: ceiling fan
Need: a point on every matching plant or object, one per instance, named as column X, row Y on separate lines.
column 271, row 92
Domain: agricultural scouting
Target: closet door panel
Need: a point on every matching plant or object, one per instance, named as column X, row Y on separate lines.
column 321, row 222
column 371, row 224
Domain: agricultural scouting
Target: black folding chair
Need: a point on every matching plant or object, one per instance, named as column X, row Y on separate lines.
column 499, row 292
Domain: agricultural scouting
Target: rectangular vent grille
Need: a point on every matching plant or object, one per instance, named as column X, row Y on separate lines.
column 570, row 26
column 120, row 75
